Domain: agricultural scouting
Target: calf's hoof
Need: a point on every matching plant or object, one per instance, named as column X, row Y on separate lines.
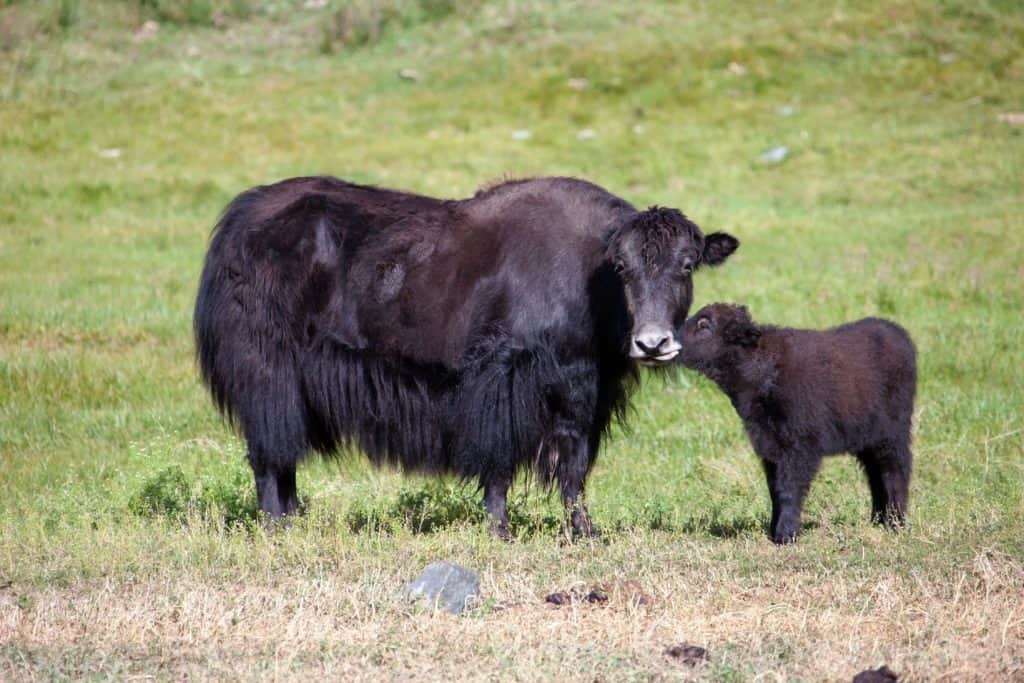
column 891, row 518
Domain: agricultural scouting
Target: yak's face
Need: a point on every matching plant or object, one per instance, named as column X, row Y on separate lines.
column 715, row 335
column 656, row 255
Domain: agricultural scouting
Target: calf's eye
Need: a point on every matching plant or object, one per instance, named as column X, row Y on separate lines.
column 703, row 324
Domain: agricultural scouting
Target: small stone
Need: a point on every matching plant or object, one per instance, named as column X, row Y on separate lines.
column 684, row 653
column 578, row 83
column 409, row 74
column 775, row 155
column 111, row 153
column 786, row 110
column 587, row 134
column 639, row 129
column 736, row 69
column 521, row 134
column 444, row 584
column 1014, row 118
column 880, row 675
column 948, row 57
column 315, row 4
column 146, row 32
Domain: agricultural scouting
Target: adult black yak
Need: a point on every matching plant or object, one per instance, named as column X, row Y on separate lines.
column 472, row 336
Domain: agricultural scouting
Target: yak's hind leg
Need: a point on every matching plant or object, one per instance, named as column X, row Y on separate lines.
column 887, row 468
column 275, row 427
column 275, row 487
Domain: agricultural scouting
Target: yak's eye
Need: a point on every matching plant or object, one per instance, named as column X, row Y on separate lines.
column 703, row 324
column 687, row 266
column 620, row 267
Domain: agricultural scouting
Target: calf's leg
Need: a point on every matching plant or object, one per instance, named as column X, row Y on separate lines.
column 887, row 468
column 770, row 475
column 793, row 474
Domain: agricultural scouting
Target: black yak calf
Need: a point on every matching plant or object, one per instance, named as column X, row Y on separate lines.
column 804, row 394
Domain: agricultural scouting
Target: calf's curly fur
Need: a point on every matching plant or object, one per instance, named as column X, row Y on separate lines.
column 805, row 394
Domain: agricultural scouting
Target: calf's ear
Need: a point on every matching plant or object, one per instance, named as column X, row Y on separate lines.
column 718, row 246
column 741, row 333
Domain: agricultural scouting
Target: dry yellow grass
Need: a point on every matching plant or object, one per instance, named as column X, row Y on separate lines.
column 790, row 616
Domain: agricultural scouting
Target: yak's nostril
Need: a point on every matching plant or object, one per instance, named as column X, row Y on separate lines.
column 650, row 345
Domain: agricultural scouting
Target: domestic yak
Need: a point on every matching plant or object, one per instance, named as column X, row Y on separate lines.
column 475, row 336
column 804, row 394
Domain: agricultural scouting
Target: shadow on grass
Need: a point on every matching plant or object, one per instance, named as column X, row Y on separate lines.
column 426, row 509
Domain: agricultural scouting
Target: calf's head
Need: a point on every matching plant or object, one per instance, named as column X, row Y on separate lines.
column 717, row 334
column 656, row 254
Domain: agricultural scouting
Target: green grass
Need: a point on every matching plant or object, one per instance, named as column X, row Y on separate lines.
column 127, row 542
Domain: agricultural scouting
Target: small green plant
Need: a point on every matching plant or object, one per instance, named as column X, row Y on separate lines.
column 195, row 12
column 169, row 493
column 68, row 14
column 166, row 494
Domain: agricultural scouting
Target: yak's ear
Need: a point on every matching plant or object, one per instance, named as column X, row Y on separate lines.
column 741, row 330
column 718, row 246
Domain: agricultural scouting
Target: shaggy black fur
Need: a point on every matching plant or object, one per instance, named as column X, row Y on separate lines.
column 471, row 336
column 804, row 394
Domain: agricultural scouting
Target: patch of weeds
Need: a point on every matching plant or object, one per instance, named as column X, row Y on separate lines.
column 169, row 493
column 722, row 525
column 432, row 507
column 165, row 494
column 197, row 12
column 68, row 14
column 436, row 506
column 365, row 22
column 439, row 504
column 369, row 517
column 526, row 524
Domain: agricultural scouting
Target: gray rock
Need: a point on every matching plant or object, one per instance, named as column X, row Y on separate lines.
column 775, row 155
column 445, row 584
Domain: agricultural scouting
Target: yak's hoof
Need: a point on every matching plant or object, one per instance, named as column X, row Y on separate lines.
column 500, row 531
column 585, row 530
column 784, row 536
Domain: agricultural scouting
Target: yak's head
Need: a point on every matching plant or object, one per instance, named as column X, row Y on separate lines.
column 717, row 335
column 656, row 254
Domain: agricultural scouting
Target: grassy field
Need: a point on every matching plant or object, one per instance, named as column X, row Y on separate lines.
column 127, row 542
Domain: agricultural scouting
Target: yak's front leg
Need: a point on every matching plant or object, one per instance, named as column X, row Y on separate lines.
column 496, row 501
column 574, row 459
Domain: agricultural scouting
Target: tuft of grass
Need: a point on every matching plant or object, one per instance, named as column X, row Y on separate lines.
column 170, row 494
column 364, row 22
